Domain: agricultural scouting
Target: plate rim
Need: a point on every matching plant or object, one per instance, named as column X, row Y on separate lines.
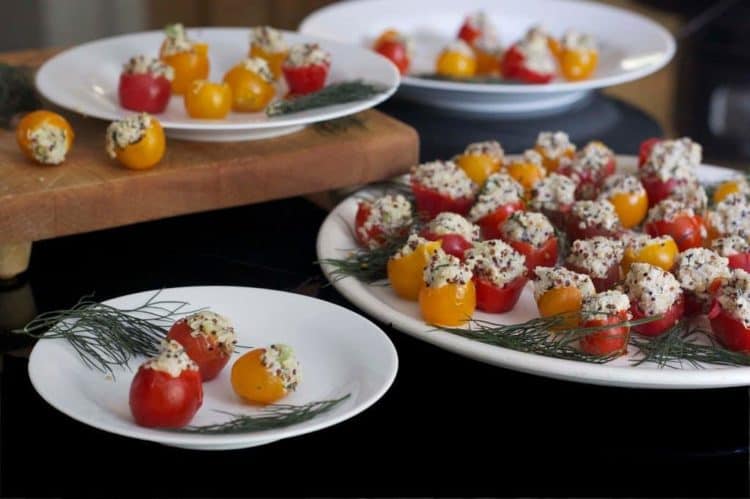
column 569, row 370
column 208, row 441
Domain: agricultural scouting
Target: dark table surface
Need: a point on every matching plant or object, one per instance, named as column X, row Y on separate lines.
column 449, row 426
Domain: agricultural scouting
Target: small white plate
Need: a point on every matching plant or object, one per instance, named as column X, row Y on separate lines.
column 631, row 46
column 84, row 79
column 335, row 240
column 339, row 351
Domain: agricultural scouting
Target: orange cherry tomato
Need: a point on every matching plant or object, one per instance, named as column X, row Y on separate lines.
column 456, row 64
column 252, row 381
column 405, row 274
column 36, row 147
column 250, row 91
column 448, row 305
column 631, row 208
column 274, row 59
column 207, row 100
column 551, row 164
column 527, row 174
column 662, row 255
column 488, row 63
column 478, row 166
column 725, row 189
column 578, row 65
column 188, row 66
column 555, row 47
column 560, row 301
column 146, row 152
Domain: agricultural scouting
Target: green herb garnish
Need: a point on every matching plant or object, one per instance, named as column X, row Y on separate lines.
column 336, row 93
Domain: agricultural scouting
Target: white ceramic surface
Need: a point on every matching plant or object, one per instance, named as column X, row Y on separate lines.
column 339, row 351
column 335, row 239
column 631, row 46
column 84, row 79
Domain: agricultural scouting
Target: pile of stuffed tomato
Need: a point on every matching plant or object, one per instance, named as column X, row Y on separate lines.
column 167, row 390
column 602, row 247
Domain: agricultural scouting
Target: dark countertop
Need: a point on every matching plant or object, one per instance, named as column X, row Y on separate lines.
column 449, row 426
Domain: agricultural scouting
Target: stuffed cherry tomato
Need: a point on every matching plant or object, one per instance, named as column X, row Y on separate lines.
column 660, row 251
column 629, row 198
column 448, row 296
column 45, row 137
column 726, row 189
column 599, row 258
column 736, row 249
column 208, row 338
column 306, row 68
column 455, row 233
column 530, row 60
column 145, row 84
column 266, row 375
column 654, row 292
column 381, row 220
column 480, row 160
column 644, row 151
column 405, row 269
column 457, row 60
column 589, row 168
column 592, row 218
column 731, row 217
column 137, row 141
column 499, row 198
column 579, row 56
column 251, row 85
column 558, row 290
column 394, row 47
column 528, row 170
column 606, row 309
column 730, row 312
column 669, row 164
column 672, row 218
column 474, row 27
column 499, row 275
column 166, row 392
column 554, row 197
column 699, row 271
column 533, row 236
column 440, row 186
column 188, row 59
column 207, row 100
column 554, row 147
column 268, row 44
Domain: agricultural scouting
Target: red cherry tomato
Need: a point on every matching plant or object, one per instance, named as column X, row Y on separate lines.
column 144, row 92
column 645, row 150
column 210, row 357
column 490, row 223
column 396, row 52
column 430, row 202
column 687, row 231
column 469, row 33
column 588, row 181
column 453, row 244
column 730, row 332
column 657, row 189
column 497, row 300
column 558, row 217
column 305, row 79
column 695, row 305
column 740, row 261
column 600, row 283
column 373, row 234
column 158, row 400
column 514, row 67
column 612, row 340
column 543, row 256
column 574, row 230
column 669, row 318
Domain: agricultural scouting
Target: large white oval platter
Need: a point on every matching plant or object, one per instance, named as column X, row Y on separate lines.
column 339, row 351
column 84, row 80
column 631, row 46
column 335, row 240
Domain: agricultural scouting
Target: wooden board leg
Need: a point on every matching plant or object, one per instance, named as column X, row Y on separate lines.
column 14, row 259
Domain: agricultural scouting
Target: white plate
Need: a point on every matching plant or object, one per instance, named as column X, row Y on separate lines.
column 631, row 46
column 339, row 351
column 335, row 239
column 84, row 79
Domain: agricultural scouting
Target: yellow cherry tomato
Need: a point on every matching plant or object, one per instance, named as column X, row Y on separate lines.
column 250, row 91
column 405, row 274
column 725, row 189
column 555, row 47
column 146, row 152
column 551, row 164
column 578, row 65
column 456, row 64
column 207, row 100
column 526, row 173
column 478, row 166
column 488, row 63
column 188, row 66
column 253, row 382
column 630, row 208
column 662, row 255
column 45, row 137
column 448, row 305
column 274, row 59
column 560, row 301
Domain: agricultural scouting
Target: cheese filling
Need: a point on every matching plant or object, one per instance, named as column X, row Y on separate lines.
column 499, row 190
column 651, row 288
column 143, row 64
column 459, row 47
column 697, row 268
column 553, row 193
column 621, row 183
column 452, row 223
column 391, row 213
column 49, row 144
column 674, row 159
column 414, row 242
column 213, row 325
column 532, row 156
column 547, row 278
column 172, row 360
column 731, row 217
column 596, row 214
column 596, row 255
column 444, row 177
column 554, row 145
column 496, row 262
column 444, row 269
column 528, row 227
column 280, row 361
column 258, row 66
column 177, row 41
column 668, row 210
column 589, row 161
column 734, row 296
column 730, row 245
column 605, row 305
column 490, row 148
column 125, row 132
column 269, row 40
column 573, row 40
column 307, row 54
column 640, row 241
column 536, row 52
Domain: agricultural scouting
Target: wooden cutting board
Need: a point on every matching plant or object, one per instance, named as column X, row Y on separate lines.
column 89, row 191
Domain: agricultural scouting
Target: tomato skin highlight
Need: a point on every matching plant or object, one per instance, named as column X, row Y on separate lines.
column 613, row 340
column 498, row 300
column 203, row 350
column 669, row 318
column 686, row 231
column 729, row 331
column 430, row 203
column 157, row 400
column 543, row 256
column 514, row 67
column 490, row 223
column 144, row 92
column 657, row 189
column 453, row 244
column 304, row 80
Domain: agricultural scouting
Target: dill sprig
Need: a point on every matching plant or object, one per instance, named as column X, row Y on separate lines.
column 336, row 93
column 272, row 417
column 104, row 336
column 366, row 264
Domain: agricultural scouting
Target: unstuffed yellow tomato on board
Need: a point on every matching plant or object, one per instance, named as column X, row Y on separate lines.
column 265, row 375
column 457, row 60
column 45, row 137
column 268, row 44
column 405, row 269
column 188, row 59
column 137, row 141
column 207, row 100
column 448, row 296
column 251, row 85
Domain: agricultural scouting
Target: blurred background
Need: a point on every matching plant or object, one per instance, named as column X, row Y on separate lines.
column 711, row 102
